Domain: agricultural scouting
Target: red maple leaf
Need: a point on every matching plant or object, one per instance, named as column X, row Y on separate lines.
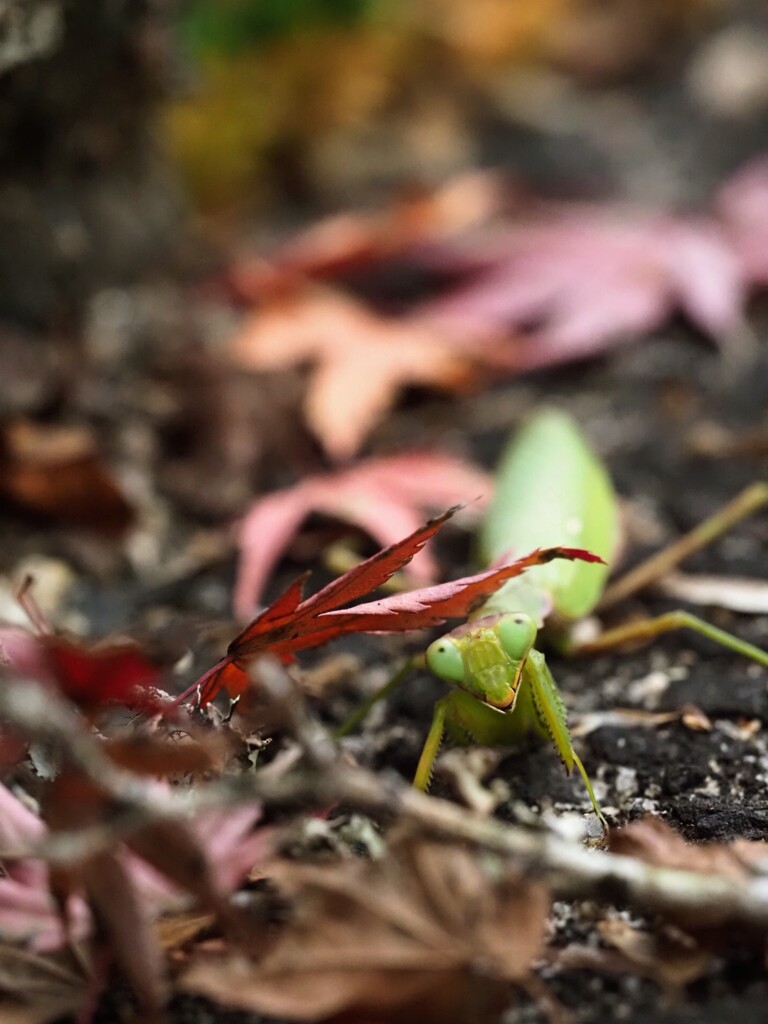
column 88, row 675
column 291, row 624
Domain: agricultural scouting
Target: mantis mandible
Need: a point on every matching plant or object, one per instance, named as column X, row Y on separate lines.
column 551, row 489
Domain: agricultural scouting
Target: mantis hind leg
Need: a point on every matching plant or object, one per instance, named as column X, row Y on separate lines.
column 647, row 629
column 744, row 504
column 552, row 721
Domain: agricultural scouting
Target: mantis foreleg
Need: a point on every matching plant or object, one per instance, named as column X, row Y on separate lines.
column 423, row 776
column 539, row 708
column 552, row 720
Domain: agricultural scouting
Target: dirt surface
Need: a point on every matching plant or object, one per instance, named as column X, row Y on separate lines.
column 643, row 409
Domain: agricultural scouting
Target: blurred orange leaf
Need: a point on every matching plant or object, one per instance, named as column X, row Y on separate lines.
column 361, row 361
column 56, row 472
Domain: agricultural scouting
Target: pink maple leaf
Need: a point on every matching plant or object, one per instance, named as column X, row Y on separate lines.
column 742, row 206
column 583, row 278
column 386, row 497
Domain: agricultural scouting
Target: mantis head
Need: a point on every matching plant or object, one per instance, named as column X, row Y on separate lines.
column 485, row 657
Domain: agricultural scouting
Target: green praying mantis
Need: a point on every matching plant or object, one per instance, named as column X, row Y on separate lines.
column 551, row 490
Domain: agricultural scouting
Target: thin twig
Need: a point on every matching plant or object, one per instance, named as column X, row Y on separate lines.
column 570, row 870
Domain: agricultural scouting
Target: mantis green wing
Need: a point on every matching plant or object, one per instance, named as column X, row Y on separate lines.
column 550, row 489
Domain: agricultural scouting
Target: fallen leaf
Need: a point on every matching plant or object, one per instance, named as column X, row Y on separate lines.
column 361, row 361
column 56, row 472
column 667, row 955
column 714, row 441
column 344, row 242
column 623, row 718
column 46, row 987
column 563, row 281
column 178, row 930
column 124, row 920
column 584, row 278
column 124, row 891
column 431, row 933
column 291, row 624
column 28, row 913
column 386, row 497
column 556, row 282
column 736, row 593
column 88, row 675
column 653, row 841
column 742, row 206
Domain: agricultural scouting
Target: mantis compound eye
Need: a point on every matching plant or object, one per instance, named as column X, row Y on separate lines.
column 445, row 660
column 517, row 634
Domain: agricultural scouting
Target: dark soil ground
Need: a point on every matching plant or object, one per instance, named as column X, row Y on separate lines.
column 644, row 409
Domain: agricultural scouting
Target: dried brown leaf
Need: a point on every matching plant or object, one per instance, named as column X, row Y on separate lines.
column 165, row 755
column 668, row 955
column 46, row 988
column 431, row 933
column 39, row 979
column 653, row 841
column 56, row 472
column 736, row 593
column 178, row 930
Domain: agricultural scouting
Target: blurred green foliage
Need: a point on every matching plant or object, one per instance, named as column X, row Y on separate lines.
column 227, row 27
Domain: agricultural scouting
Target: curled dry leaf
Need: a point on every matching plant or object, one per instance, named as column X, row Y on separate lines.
column 43, row 988
column 386, row 497
column 736, row 593
column 667, row 955
column 124, row 920
column 623, row 718
column 56, row 473
column 431, row 933
column 653, row 841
